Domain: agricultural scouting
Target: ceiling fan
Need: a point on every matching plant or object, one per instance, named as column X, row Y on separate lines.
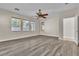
column 41, row 15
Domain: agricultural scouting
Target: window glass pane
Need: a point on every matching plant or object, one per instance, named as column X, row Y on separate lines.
column 15, row 24
column 25, row 25
column 32, row 26
column 42, row 26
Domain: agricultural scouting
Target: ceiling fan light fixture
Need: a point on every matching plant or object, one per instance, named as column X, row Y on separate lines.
column 41, row 15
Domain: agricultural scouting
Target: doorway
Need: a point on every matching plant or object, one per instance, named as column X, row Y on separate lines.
column 70, row 31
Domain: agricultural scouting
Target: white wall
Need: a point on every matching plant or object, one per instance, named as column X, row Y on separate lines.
column 51, row 27
column 67, row 14
column 6, row 33
column 54, row 25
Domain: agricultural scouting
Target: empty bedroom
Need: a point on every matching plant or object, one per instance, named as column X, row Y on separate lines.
column 39, row 29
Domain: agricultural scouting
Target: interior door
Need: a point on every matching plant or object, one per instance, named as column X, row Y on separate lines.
column 70, row 29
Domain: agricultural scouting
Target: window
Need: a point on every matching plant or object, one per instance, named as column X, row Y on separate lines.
column 42, row 26
column 32, row 26
column 15, row 24
column 26, row 26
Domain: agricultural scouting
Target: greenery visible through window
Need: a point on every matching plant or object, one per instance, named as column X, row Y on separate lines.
column 18, row 24
column 26, row 26
column 15, row 24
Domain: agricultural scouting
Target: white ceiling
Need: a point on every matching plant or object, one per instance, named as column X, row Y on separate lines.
column 31, row 8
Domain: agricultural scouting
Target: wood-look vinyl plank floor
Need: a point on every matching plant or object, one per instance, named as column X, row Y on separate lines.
column 38, row 46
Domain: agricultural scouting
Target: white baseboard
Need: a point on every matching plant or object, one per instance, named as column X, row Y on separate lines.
column 50, row 35
column 69, row 39
column 60, row 38
column 26, row 36
column 14, row 38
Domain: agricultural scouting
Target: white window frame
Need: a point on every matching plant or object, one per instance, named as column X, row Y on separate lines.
column 33, row 26
column 26, row 28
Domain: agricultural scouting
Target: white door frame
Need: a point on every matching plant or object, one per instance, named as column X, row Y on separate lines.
column 76, row 29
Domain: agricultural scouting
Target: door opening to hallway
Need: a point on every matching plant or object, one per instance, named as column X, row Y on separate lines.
column 70, row 31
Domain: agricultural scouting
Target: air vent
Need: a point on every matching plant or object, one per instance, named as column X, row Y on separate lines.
column 66, row 3
column 16, row 9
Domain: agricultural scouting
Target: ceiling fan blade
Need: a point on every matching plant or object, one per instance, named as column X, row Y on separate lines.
column 40, row 14
column 44, row 14
column 44, row 17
